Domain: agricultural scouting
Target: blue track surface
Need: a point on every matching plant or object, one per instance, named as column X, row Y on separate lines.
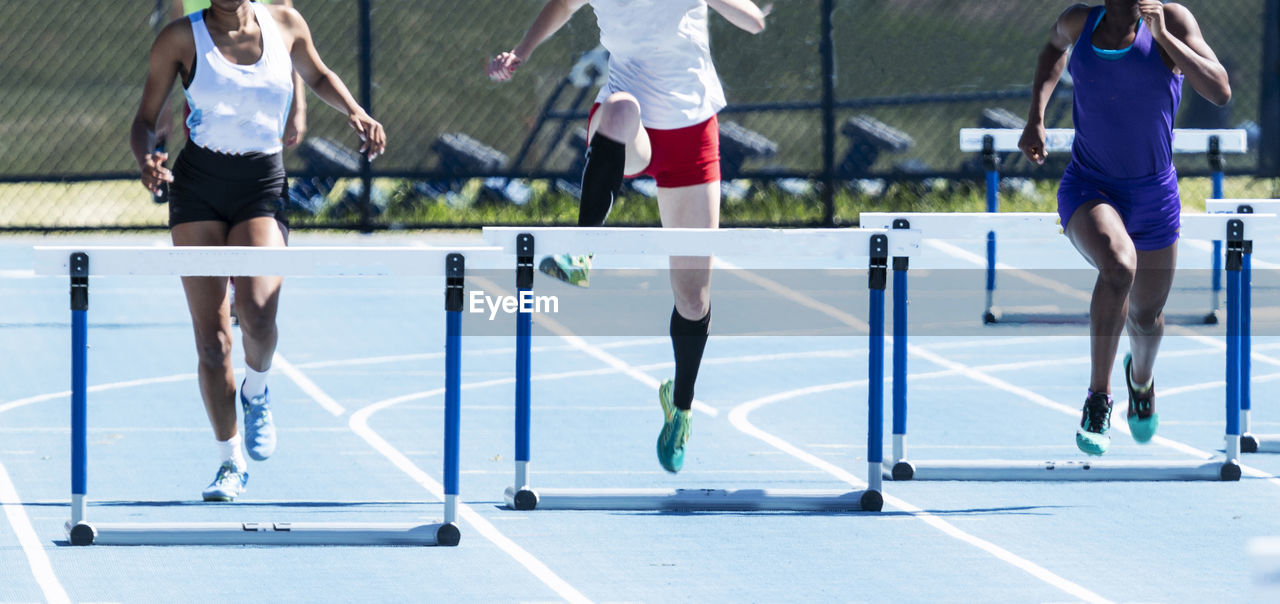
column 790, row 412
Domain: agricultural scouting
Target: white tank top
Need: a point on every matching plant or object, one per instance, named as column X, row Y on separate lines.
column 240, row 109
column 660, row 52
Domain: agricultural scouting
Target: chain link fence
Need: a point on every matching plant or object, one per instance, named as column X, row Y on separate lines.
column 907, row 74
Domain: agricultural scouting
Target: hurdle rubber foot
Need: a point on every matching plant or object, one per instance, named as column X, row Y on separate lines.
column 903, row 471
column 448, row 535
column 1211, row 318
column 526, row 499
column 1230, row 471
column 1248, row 444
column 990, row 318
column 83, row 533
column 871, row 501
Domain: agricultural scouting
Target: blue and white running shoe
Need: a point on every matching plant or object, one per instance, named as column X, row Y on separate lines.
column 228, row 484
column 259, row 428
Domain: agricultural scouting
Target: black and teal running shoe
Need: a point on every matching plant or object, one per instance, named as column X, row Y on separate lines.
column 1095, row 421
column 1142, row 416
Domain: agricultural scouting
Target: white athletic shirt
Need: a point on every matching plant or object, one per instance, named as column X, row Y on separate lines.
column 660, row 52
column 240, row 109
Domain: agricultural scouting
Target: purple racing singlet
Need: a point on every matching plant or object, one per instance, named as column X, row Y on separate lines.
column 1124, row 105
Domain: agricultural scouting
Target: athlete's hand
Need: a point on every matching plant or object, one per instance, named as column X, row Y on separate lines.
column 154, row 174
column 503, row 66
column 1152, row 12
column 1032, row 142
column 294, row 130
column 373, row 138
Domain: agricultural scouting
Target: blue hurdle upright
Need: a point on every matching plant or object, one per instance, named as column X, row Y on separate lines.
column 1040, row 226
column 79, row 263
column 991, row 141
column 872, row 247
column 1249, row 442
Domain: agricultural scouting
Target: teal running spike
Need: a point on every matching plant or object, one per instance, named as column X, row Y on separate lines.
column 574, row 270
column 1142, row 416
column 677, row 425
column 1095, row 421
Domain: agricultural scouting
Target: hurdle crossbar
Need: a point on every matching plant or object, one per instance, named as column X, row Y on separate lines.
column 739, row 244
column 1059, row 140
column 991, row 141
column 1238, row 230
column 79, row 263
column 859, row 247
column 1249, row 442
column 1044, row 225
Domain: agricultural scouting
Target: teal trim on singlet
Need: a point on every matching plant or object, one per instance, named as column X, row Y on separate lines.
column 1105, row 54
column 191, row 6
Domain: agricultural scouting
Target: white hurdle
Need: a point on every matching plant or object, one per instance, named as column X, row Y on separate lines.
column 81, row 262
column 859, row 247
column 1238, row 230
column 1249, row 442
column 990, row 141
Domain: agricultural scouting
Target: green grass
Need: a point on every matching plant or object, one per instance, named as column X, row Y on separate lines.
column 124, row 204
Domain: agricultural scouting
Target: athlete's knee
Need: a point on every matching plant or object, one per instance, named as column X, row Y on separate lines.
column 620, row 116
column 623, row 104
column 1117, row 268
column 1148, row 321
column 693, row 305
column 213, row 347
column 256, row 322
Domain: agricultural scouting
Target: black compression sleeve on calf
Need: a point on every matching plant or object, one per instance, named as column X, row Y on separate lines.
column 601, row 179
column 688, row 340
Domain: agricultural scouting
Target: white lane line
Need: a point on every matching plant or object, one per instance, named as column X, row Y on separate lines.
column 557, row 328
column 947, row 528
column 738, row 416
column 308, row 386
column 1045, row 402
column 37, row 559
column 359, row 423
column 1271, row 377
column 39, row 398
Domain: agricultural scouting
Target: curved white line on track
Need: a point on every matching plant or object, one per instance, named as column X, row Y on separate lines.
column 37, row 559
column 738, row 416
column 1033, row 397
column 359, row 423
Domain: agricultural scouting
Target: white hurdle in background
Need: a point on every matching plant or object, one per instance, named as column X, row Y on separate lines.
column 990, row 141
column 1237, row 229
column 859, row 247
column 79, row 263
column 1249, row 442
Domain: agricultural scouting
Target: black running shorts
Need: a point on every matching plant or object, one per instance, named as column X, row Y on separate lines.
column 208, row 185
